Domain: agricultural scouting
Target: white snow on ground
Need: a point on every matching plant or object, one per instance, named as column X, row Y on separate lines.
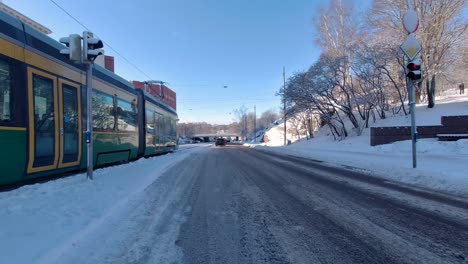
column 42, row 222
column 441, row 165
column 53, row 221
column 276, row 135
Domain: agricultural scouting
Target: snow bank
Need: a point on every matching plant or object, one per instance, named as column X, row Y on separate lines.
column 41, row 222
column 441, row 165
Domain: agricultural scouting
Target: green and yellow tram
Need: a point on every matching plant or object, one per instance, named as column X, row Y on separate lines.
column 43, row 111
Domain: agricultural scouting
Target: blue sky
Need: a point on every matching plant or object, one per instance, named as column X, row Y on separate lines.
column 198, row 47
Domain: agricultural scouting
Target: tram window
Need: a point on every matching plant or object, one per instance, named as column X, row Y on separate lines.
column 149, row 122
column 160, row 124
column 167, row 124
column 70, row 122
column 126, row 115
column 5, row 92
column 103, row 111
column 173, row 128
column 162, row 121
column 44, row 119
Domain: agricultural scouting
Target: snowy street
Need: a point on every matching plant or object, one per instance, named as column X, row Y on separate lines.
column 250, row 207
column 237, row 132
column 231, row 205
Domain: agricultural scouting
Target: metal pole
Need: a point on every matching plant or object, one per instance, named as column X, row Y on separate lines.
column 89, row 119
column 284, row 104
column 89, row 106
column 255, row 124
column 413, row 120
column 245, row 127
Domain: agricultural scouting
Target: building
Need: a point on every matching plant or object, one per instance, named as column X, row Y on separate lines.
column 159, row 90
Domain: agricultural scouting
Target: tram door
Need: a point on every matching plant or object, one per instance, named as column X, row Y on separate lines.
column 55, row 133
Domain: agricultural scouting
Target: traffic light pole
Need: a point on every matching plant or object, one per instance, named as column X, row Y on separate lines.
column 85, row 54
column 414, row 133
column 89, row 106
column 89, row 119
column 411, row 48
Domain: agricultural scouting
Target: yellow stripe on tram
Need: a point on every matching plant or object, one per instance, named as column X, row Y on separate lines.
column 12, row 128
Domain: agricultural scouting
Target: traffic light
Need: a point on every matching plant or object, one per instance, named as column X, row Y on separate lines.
column 91, row 46
column 414, row 69
column 73, row 49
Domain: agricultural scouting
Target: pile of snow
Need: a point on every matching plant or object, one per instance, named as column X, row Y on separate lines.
column 275, row 135
column 42, row 222
column 441, row 165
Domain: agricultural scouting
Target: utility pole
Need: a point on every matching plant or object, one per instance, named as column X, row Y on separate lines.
column 255, row 124
column 284, row 104
column 245, row 127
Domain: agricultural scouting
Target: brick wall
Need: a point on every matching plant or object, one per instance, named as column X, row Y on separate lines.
column 450, row 125
column 109, row 63
column 167, row 95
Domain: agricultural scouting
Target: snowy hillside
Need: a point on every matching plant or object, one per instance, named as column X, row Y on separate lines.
column 441, row 165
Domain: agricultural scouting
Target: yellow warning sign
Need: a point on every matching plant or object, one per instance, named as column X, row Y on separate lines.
column 411, row 47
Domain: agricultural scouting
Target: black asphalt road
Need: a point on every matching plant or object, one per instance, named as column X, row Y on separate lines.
column 249, row 206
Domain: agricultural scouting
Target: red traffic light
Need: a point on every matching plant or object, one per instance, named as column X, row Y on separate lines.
column 412, row 66
column 414, row 69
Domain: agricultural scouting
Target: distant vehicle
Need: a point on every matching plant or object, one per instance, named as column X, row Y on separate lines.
column 279, row 121
column 220, row 142
column 184, row 141
column 197, row 140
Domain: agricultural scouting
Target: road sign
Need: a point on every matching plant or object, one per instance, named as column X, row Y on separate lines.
column 411, row 47
column 411, row 21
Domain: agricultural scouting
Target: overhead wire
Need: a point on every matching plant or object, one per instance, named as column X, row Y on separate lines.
column 107, row 44
column 142, row 72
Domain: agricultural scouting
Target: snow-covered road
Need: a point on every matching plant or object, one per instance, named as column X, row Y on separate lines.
column 249, row 206
column 206, row 204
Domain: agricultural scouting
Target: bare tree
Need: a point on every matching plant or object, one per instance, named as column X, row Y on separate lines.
column 241, row 115
column 442, row 29
column 338, row 30
column 267, row 118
